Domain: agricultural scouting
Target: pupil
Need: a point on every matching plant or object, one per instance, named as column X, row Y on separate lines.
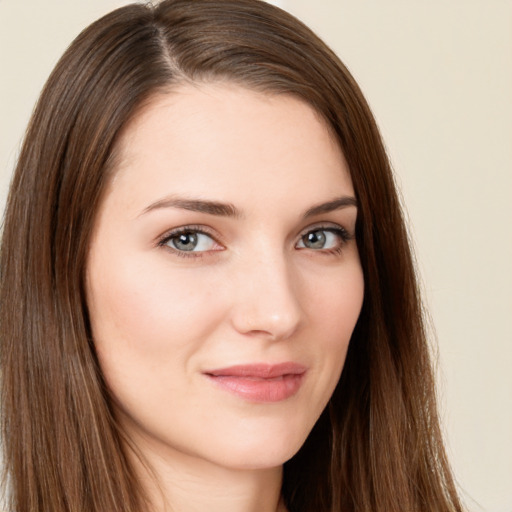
column 186, row 241
column 315, row 240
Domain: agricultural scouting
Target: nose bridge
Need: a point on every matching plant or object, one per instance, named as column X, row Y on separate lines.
column 267, row 302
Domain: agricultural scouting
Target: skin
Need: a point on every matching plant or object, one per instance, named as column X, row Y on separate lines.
column 254, row 290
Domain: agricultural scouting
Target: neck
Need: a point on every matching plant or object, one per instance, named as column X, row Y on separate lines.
column 175, row 481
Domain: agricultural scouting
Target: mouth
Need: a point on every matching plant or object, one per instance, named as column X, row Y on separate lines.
column 260, row 382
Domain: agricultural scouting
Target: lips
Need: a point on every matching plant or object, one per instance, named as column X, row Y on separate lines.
column 260, row 382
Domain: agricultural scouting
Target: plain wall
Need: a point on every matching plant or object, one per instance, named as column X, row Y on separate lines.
column 438, row 76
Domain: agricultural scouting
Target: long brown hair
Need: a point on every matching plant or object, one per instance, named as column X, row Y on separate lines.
column 377, row 447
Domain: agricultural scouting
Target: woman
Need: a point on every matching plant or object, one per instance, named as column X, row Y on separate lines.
column 208, row 299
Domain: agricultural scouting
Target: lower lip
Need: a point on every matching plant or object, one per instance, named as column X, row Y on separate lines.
column 259, row 389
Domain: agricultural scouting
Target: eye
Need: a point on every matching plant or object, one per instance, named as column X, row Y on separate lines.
column 190, row 240
column 323, row 239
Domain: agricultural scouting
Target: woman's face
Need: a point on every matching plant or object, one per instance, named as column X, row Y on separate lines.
column 223, row 279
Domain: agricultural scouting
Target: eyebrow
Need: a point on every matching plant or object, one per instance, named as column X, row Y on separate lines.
column 330, row 206
column 196, row 205
column 230, row 210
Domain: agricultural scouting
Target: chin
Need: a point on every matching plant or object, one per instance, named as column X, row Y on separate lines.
column 269, row 449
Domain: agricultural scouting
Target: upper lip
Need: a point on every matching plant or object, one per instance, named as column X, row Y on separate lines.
column 259, row 370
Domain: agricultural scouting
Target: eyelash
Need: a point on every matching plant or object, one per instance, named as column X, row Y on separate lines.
column 339, row 231
column 184, row 231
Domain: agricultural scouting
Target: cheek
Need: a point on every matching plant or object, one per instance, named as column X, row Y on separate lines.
column 148, row 331
column 138, row 314
column 336, row 304
column 333, row 308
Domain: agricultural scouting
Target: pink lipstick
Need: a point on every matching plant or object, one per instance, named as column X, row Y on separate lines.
column 260, row 382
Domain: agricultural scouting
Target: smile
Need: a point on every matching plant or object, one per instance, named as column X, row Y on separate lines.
column 260, row 382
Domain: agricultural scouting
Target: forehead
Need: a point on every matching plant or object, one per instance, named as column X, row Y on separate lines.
column 222, row 140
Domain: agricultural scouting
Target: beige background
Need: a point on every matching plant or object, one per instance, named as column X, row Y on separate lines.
column 438, row 75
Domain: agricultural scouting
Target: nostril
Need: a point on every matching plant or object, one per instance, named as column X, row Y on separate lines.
column 263, row 324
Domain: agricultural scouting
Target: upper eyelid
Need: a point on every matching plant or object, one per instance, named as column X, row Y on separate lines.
column 335, row 226
column 205, row 230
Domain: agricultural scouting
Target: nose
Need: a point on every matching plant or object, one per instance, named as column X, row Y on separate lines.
column 267, row 302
